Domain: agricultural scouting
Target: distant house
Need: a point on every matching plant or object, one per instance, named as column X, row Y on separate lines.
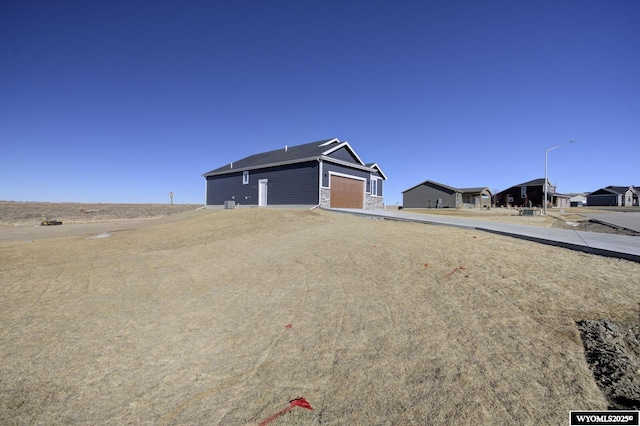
column 430, row 194
column 578, row 200
column 614, row 196
column 326, row 173
column 531, row 194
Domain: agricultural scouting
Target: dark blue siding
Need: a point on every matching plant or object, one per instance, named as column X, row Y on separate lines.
column 602, row 200
column 330, row 167
column 230, row 187
column 289, row 184
column 345, row 155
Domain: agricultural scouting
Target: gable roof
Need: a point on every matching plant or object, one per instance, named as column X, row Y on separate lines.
column 450, row 188
column 621, row 189
column 612, row 189
column 475, row 190
column 294, row 154
column 336, row 145
column 434, row 183
column 535, row 182
column 375, row 166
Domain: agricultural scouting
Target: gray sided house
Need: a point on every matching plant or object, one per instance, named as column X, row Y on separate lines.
column 614, row 196
column 430, row 194
column 326, row 173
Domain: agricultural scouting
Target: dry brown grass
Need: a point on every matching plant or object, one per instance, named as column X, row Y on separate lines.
column 184, row 323
column 33, row 213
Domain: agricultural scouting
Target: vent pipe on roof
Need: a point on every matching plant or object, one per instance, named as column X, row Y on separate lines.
column 231, row 165
column 285, row 148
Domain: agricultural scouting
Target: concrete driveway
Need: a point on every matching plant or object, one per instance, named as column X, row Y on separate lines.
column 628, row 220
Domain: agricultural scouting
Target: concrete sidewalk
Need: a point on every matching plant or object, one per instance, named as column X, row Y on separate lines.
column 620, row 246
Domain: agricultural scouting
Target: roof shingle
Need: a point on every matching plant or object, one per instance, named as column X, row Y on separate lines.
column 284, row 154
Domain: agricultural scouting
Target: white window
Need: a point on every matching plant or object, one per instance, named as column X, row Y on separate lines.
column 375, row 187
column 245, row 178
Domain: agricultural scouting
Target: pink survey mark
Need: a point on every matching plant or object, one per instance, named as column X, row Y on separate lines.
column 298, row 402
column 454, row 271
column 288, row 326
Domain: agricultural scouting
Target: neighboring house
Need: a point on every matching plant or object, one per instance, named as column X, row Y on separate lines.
column 561, row 201
column 578, row 200
column 614, row 196
column 523, row 195
column 531, row 194
column 325, row 173
column 430, row 194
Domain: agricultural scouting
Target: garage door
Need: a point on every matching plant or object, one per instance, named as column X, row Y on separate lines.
column 346, row 193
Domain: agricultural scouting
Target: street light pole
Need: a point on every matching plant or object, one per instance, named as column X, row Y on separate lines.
column 546, row 154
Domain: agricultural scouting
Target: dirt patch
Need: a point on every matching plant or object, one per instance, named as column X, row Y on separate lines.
column 591, row 226
column 612, row 350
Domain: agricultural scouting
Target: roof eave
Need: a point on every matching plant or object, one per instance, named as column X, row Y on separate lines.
column 450, row 188
column 375, row 166
column 261, row 166
column 479, row 189
column 348, row 164
column 299, row 160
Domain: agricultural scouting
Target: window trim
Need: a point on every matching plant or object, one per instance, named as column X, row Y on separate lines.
column 375, row 183
column 245, row 177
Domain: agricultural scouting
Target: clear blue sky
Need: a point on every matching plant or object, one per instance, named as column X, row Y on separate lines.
column 125, row 101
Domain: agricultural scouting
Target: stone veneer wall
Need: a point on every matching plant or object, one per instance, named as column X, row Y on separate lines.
column 373, row 203
column 325, row 197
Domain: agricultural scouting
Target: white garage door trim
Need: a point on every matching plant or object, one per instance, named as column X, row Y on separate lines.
column 344, row 175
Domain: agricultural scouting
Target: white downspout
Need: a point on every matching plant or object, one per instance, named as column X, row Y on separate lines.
column 206, row 187
column 319, row 185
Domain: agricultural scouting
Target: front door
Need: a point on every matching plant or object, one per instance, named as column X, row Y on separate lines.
column 262, row 192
